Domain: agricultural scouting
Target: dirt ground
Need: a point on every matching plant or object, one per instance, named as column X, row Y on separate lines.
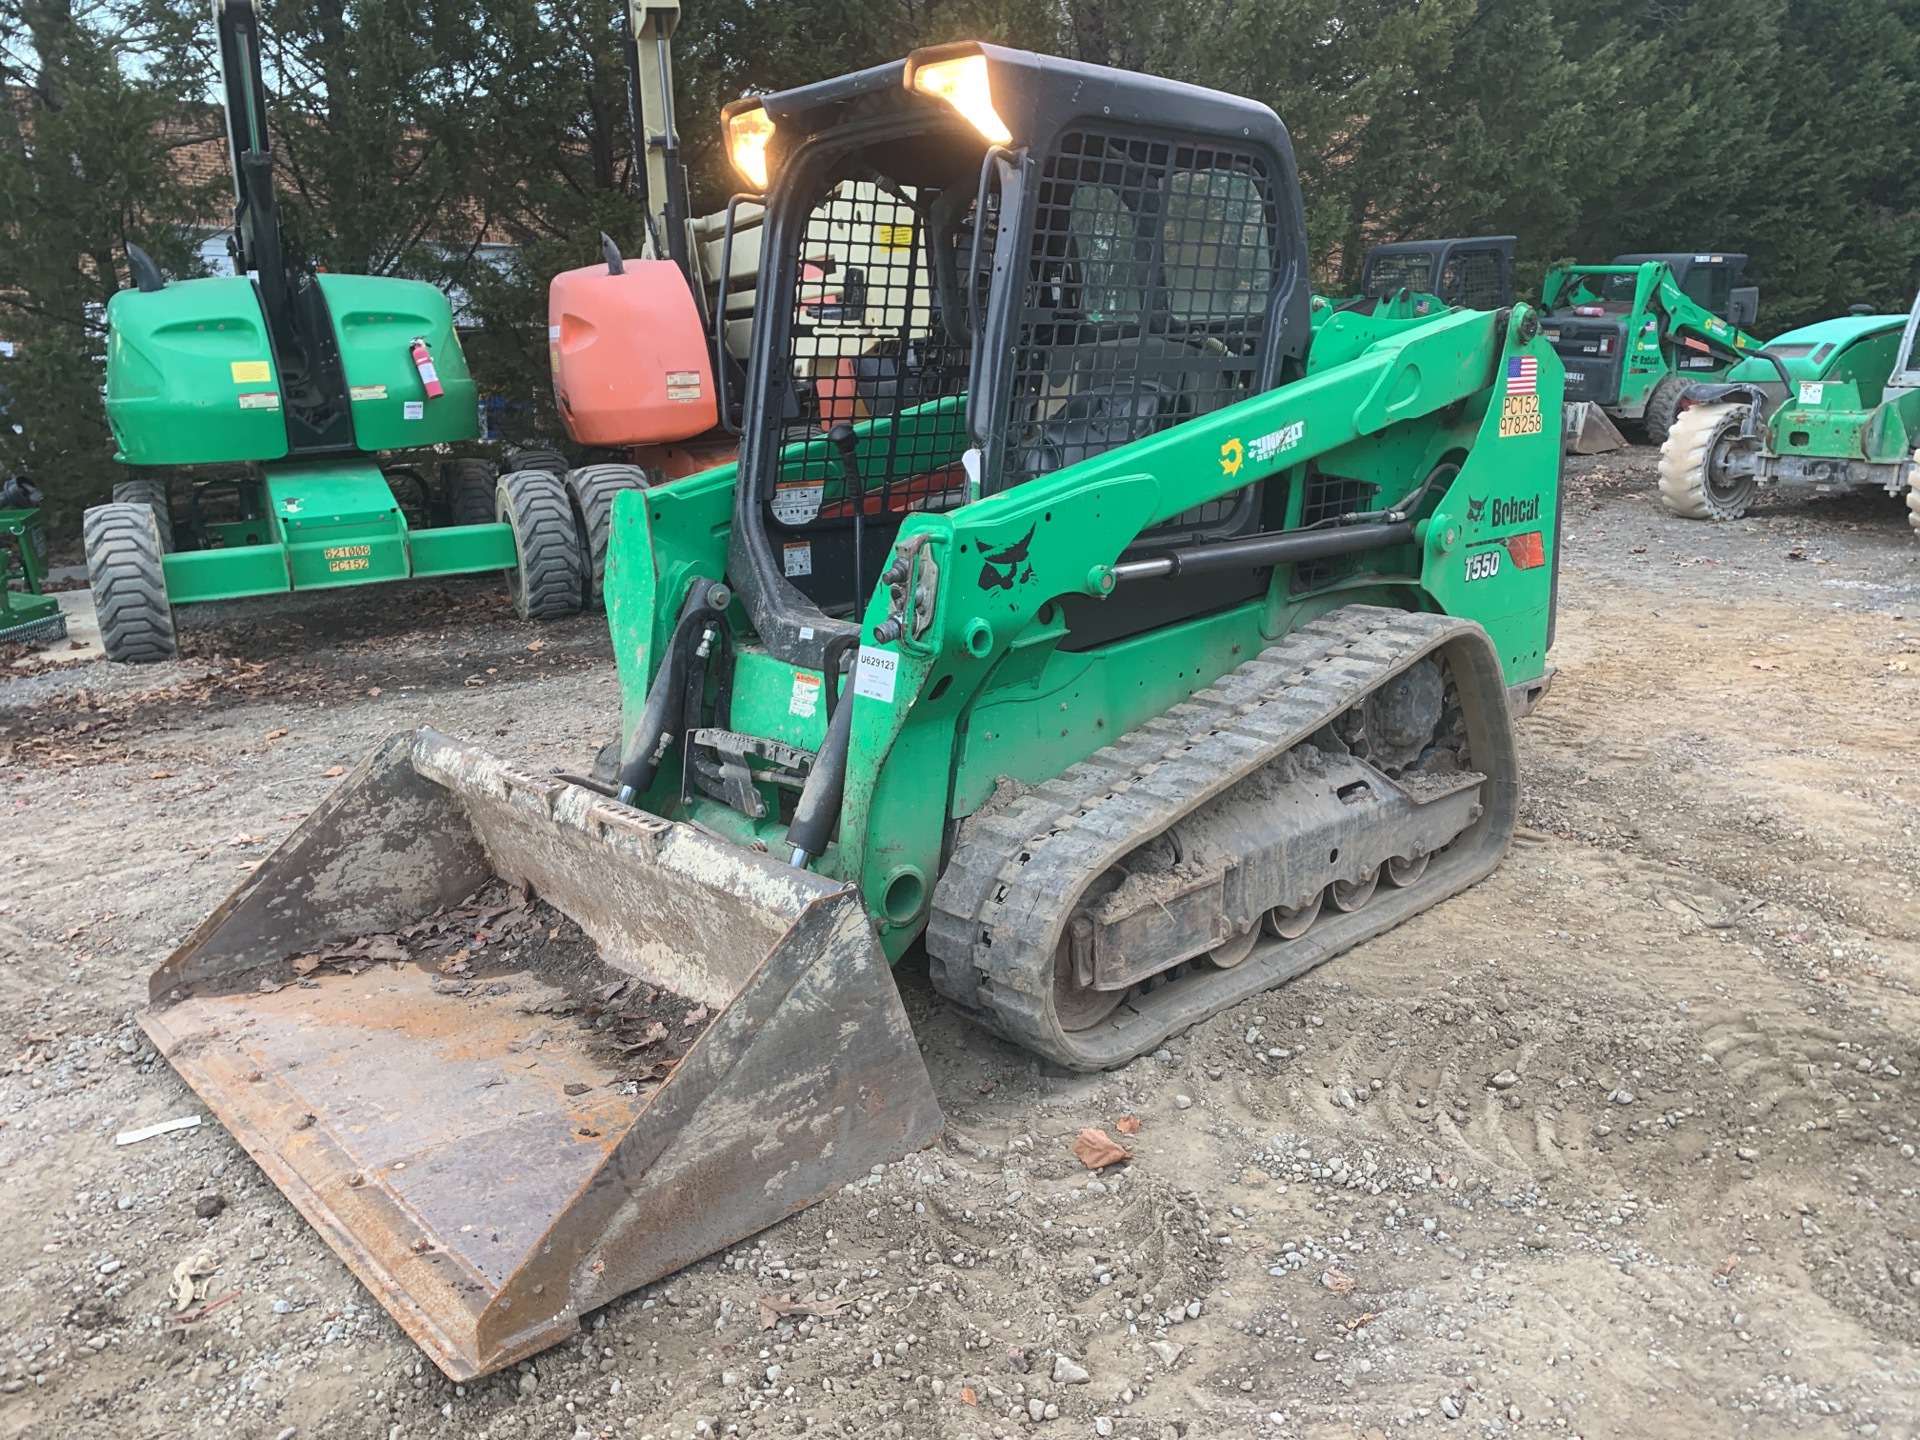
column 1620, row 1143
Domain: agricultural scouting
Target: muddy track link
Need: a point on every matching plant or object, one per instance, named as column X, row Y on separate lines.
column 1002, row 904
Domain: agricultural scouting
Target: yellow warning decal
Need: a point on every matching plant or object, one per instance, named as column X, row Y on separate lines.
column 252, row 372
column 893, row 237
column 1520, row 415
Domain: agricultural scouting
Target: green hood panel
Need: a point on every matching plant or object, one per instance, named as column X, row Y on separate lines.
column 377, row 319
column 190, row 375
column 191, row 379
column 1820, row 350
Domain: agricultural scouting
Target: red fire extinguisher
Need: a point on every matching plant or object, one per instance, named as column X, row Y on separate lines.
column 429, row 377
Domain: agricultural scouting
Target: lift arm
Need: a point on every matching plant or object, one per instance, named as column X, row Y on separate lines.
column 306, row 353
column 659, row 179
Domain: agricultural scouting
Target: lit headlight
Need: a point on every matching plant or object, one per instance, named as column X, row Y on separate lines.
column 962, row 82
column 749, row 132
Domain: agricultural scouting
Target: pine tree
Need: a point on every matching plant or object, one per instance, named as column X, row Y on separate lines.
column 87, row 121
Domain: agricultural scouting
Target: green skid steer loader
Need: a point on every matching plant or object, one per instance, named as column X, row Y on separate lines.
column 292, row 383
column 1634, row 334
column 1095, row 622
column 1831, row 406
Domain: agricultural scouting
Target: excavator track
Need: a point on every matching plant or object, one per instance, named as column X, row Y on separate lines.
column 1262, row 741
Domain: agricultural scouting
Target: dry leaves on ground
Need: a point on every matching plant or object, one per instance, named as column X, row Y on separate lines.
column 1097, row 1150
column 774, row 1307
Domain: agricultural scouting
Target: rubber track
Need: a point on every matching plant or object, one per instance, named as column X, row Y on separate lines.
column 1002, row 902
column 151, row 493
column 547, row 584
column 593, row 488
column 470, row 486
column 129, row 585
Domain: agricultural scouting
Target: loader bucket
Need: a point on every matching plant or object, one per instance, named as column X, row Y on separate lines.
column 484, row 1167
column 1588, row 430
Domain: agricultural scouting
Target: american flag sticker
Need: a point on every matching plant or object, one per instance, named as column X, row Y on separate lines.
column 1523, row 374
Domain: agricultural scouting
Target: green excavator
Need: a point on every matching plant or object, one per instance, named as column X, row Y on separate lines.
column 305, row 408
column 1076, row 613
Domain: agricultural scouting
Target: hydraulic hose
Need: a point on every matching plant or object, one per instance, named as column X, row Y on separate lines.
column 819, row 808
column 706, row 602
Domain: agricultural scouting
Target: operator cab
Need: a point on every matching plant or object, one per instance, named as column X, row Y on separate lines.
column 1711, row 281
column 980, row 266
column 1474, row 273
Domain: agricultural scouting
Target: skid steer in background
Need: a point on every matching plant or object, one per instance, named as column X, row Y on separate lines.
column 292, row 383
column 1832, row 406
column 1093, row 617
column 1474, row 273
column 1634, row 334
column 1416, row 278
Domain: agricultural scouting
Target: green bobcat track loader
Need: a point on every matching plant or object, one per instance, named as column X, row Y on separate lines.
column 1088, row 618
column 1634, row 334
column 292, row 383
column 1831, row 406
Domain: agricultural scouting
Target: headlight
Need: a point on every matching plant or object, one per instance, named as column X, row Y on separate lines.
column 962, row 82
column 749, row 132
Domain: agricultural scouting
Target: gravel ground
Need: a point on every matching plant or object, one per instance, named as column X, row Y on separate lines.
column 1619, row 1143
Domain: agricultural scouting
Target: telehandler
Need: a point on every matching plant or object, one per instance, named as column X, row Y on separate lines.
column 1634, row 334
column 294, row 383
column 1830, row 406
column 1085, row 616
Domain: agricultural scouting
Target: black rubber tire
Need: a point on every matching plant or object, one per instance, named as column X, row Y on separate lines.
column 1662, row 405
column 129, row 585
column 538, row 458
column 469, row 485
column 593, row 488
column 548, row 582
column 150, row 491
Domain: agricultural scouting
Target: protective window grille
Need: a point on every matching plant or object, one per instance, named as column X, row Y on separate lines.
column 1389, row 274
column 869, row 342
column 1472, row 280
column 1145, row 302
column 1324, row 499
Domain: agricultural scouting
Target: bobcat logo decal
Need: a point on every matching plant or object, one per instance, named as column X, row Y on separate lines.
column 1004, row 569
column 1476, row 510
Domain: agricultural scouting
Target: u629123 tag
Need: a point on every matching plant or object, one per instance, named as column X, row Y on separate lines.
column 875, row 674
